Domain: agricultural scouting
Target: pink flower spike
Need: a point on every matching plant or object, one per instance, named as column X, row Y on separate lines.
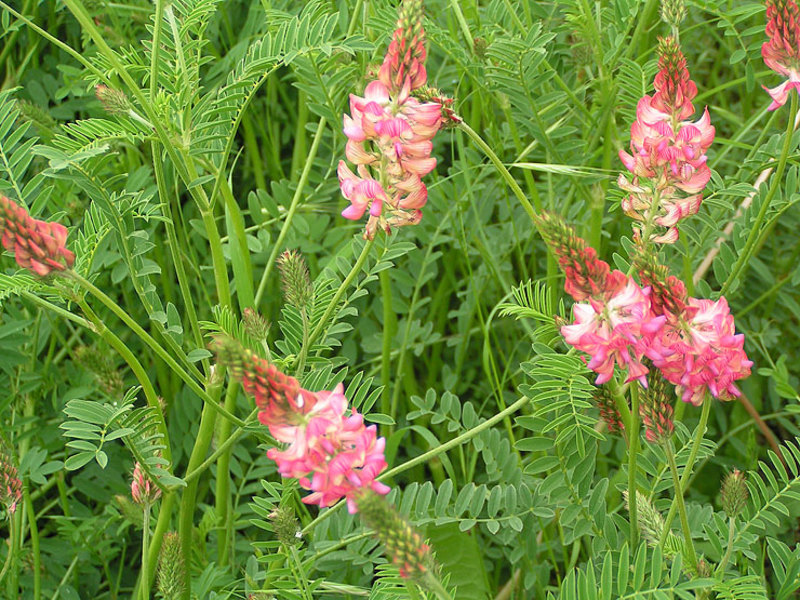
column 781, row 52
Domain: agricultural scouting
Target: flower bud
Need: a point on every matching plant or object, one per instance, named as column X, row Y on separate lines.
column 37, row 245
column 656, row 410
column 404, row 544
column 285, row 525
column 608, row 409
column 102, row 367
column 10, row 484
column 673, row 12
column 295, row 280
column 734, row 493
column 171, row 568
column 114, row 101
column 143, row 490
column 254, row 324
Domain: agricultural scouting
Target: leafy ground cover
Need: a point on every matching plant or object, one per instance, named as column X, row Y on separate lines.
column 351, row 299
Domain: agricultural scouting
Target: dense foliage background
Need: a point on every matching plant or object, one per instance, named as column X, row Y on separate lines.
column 434, row 336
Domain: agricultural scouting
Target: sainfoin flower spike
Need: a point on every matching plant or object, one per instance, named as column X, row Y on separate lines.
column 668, row 152
column 10, row 484
column 37, row 245
column 389, row 134
column 143, row 491
column 330, row 450
column 781, row 52
column 616, row 326
column 702, row 351
column 404, row 545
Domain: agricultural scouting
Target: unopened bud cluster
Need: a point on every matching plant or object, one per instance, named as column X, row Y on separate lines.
column 255, row 325
column 37, row 245
column 285, row 525
column 734, row 493
column 656, row 410
column 10, row 484
column 404, row 544
column 143, row 490
column 171, row 568
column 115, row 102
column 673, row 12
column 295, row 280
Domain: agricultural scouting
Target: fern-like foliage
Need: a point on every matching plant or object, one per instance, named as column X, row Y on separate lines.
column 626, row 576
column 561, row 395
column 16, row 155
column 776, row 486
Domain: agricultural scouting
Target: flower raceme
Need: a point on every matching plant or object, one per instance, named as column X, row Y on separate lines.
column 692, row 342
column 781, row 52
column 668, row 153
column 37, row 245
column 389, row 134
column 10, row 484
column 331, row 452
column 143, row 491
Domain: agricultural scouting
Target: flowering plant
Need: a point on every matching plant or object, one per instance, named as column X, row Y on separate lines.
column 236, row 360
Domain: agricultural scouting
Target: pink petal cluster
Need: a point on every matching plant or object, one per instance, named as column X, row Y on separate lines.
column 37, row 245
column 389, row 135
column 668, row 152
column 332, row 454
column 702, row 351
column 615, row 329
column 692, row 342
column 330, row 450
column 782, row 52
column 143, row 491
column 10, row 484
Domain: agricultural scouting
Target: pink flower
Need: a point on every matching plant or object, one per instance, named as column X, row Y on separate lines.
column 389, row 134
column 143, row 491
column 618, row 330
column 362, row 192
column 668, row 152
column 331, row 454
column 704, row 352
column 10, row 484
column 37, row 245
column 782, row 52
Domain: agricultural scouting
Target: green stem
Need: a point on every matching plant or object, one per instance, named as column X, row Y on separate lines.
column 720, row 571
column 202, row 442
column 301, row 184
column 501, row 168
column 164, row 515
column 687, row 471
column 633, row 443
column 141, row 375
column 432, row 583
column 315, row 334
column 155, row 346
column 56, row 309
column 222, row 498
column 229, row 441
column 777, row 178
column 387, row 334
column 145, row 540
column 37, row 557
column 9, row 554
column 687, row 532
